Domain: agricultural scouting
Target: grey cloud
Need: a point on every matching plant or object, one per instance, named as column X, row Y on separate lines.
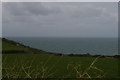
column 25, row 9
column 39, row 9
column 85, row 11
column 60, row 19
column 26, row 12
column 15, row 9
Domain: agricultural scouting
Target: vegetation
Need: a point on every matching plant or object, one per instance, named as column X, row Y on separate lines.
column 49, row 65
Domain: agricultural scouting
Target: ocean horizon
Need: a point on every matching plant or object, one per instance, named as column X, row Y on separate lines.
column 69, row 45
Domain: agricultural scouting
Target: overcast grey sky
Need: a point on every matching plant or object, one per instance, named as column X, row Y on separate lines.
column 60, row 19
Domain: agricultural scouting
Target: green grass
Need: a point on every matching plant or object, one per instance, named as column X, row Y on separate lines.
column 8, row 46
column 55, row 66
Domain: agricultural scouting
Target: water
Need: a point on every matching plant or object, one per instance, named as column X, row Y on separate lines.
column 106, row 46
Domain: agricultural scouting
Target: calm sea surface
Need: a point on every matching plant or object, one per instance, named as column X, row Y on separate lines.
column 106, row 46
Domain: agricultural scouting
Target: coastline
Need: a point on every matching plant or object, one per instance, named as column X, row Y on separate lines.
column 38, row 51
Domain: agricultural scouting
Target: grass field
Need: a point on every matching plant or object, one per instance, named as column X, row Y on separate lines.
column 45, row 65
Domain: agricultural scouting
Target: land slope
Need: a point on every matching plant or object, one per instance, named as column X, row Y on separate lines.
column 9, row 46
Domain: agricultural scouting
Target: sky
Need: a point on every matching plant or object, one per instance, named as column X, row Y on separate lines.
column 60, row 19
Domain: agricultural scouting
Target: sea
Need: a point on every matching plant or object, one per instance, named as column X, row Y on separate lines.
column 64, row 45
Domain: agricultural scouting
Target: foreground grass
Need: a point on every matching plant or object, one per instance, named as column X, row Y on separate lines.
column 51, row 66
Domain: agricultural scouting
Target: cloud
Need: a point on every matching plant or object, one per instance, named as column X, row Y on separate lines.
column 23, row 9
column 85, row 11
column 22, row 12
column 60, row 19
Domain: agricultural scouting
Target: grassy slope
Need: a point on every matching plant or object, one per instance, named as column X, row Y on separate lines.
column 53, row 66
column 8, row 46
